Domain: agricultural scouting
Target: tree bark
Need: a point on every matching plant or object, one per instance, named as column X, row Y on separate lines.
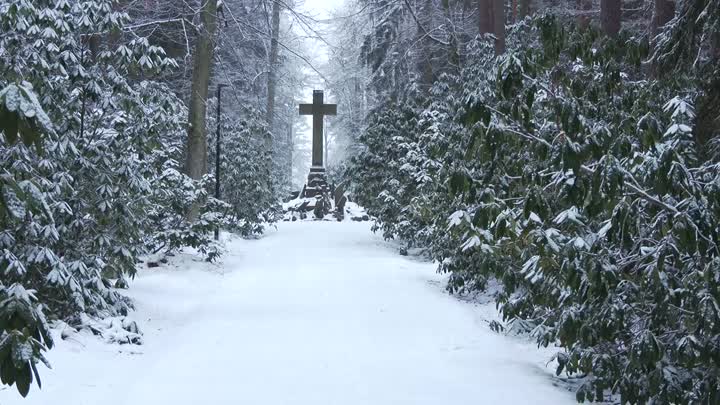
column 524, row 9
column 611, row 16
column 584, row 9
column 707, row 121
column 499, row 25
column 466, row 6
column 273, row 61
column 663, row 12
column 453, row 49
column 485, row 16
column 196, row 148
column 425, row 58
column 715, row 47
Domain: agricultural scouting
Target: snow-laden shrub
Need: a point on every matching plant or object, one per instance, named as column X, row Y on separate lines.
column 84, row 153
column 596, row 211
column 568, row 172
column 247, row 182
column 26, row 230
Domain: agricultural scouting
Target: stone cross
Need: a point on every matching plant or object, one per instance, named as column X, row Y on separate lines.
column 318, row 110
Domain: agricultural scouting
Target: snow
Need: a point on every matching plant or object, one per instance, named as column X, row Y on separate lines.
column 571, row 214
column 534, row 217
column 313, row 313
column 457, row 218
column 674, row 128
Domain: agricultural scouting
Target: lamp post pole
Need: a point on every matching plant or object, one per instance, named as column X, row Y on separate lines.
column 218, row 145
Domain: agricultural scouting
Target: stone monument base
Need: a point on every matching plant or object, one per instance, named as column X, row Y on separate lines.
column 321, row 201
column 317, row 184
column 314, row 203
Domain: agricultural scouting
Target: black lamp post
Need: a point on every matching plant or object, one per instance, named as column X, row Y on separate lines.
column 218, row 145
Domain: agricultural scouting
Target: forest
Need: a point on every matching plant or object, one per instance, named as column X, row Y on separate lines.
column 562, row 156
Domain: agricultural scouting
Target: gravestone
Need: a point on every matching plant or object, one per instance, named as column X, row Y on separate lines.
column 317, row 184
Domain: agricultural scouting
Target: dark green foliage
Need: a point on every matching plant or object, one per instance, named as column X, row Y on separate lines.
column 94, row 184
column 22, row 116
column 567, row 172
column 247, row 184
column 28, row 337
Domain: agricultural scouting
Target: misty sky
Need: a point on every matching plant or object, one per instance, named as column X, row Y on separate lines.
column 321, row 7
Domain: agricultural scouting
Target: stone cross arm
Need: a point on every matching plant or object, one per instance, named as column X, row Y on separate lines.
column 318, row 107
column 322, row 109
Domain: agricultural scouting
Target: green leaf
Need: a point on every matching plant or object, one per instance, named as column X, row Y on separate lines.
column 7, row 371
column 23, row 379
column 530, row 96
column 9, row 125
column 459, row 183
column 36, row 374
column 21, row 114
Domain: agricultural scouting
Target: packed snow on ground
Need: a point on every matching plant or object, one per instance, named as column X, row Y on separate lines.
column 313, row 313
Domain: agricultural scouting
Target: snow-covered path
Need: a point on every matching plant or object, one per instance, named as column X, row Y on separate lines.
column 315, row 313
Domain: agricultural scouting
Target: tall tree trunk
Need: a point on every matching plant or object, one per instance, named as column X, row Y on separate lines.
column 196, row 148
column 425, row 58
column 584, row 9
column 467, row 10
column 663, row 12
column 499, row 25
column 272, row 73
column 524, row 9
column 715, row 46
column 707, row 121
column 467, row 4
column 453, row 51
column 610, row 16
column 485, row 16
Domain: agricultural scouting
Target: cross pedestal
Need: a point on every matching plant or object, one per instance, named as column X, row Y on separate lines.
column 316, row 183
column 317, row 180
